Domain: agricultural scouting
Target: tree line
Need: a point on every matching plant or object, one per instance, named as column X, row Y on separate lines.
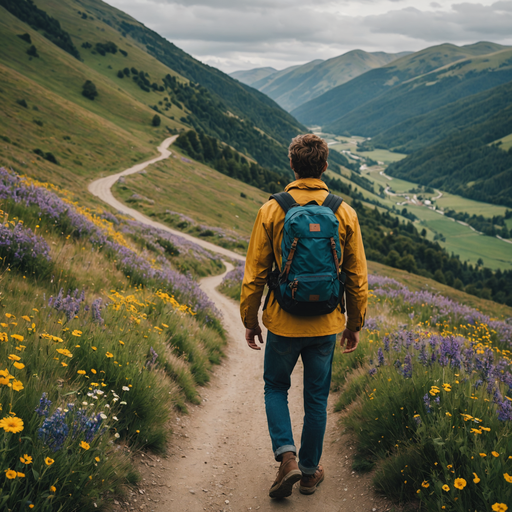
column 26, row 11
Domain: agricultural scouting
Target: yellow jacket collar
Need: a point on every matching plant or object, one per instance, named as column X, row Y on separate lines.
column 307, row 184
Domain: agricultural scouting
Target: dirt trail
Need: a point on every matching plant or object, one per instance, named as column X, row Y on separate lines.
column 220, row 457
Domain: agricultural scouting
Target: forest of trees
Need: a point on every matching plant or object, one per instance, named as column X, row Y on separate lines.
column 26, row 11
column 209, row 116
column 466, row 162
column 436, row 125
column 490, row 226
column 224, row 159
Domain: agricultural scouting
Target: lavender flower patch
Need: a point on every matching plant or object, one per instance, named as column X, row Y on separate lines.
column 50, row 206
column 21, row 248
column 443, row 308
column 70, row 304
column 54, row 208
column 235, row 276
column 65, row 424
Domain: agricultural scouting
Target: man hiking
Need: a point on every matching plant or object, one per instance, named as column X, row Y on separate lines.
column 306, row 245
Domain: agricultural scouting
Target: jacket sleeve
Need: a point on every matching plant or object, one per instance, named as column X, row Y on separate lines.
column 258, row 264
column 356, row 286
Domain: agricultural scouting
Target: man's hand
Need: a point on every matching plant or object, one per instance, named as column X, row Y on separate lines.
column 352, row 339
column 251, row 334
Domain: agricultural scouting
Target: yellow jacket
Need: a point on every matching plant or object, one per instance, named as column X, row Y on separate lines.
column 265, row 249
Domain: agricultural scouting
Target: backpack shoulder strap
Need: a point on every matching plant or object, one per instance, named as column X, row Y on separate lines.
column 333, row 202
column 285, row 200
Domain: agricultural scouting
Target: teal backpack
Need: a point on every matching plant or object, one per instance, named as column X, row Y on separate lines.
column 310, row 282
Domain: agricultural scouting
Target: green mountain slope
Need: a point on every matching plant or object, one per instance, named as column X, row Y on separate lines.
column 466, row 162
column 426, row 93
column 132, row 87
column 238, row 98
column 341, row 100
column 422, row 131
column 296, row 85
column 249, row 76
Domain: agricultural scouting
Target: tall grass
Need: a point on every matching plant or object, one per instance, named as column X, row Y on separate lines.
column 429, row 402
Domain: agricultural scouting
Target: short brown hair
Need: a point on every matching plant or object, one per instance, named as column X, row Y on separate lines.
column 308, row 154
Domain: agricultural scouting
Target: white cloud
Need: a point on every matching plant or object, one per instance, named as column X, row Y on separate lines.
column 240, row 34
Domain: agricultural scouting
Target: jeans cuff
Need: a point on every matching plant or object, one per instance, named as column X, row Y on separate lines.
column 307, row 471
column 283, row 449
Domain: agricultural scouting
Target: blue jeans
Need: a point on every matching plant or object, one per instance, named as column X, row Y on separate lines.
column 281, row 354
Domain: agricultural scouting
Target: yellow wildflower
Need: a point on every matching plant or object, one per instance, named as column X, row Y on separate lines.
column 17, row 337
column 84, row 445
column 48, row 461
column 109, row 354
column 53, row 488
column 77, row 333
column 495, row 454
column 17, row 385
column 10, row 474
column 425, row 484
column 11, row 424
column 26, row 459
column 507, row 477
column 446, row 488
column 14, row 357
column 476, row 479
column 459, row 483
column 499, row 507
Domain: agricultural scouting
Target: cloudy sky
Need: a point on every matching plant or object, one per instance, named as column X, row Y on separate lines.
column 244, row 34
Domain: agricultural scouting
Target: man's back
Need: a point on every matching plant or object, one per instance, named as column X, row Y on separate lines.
column 265, row 249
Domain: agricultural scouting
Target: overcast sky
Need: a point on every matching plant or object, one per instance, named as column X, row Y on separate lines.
column 244, row 34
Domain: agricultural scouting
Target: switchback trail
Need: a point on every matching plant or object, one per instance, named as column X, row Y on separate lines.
column 220, row 458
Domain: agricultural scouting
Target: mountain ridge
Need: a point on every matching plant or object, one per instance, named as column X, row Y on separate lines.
column 298, row 84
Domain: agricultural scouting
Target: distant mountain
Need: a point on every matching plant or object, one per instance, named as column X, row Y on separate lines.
column 296, row 85
column 426, row 93
column 340, row 101
column 248, row 77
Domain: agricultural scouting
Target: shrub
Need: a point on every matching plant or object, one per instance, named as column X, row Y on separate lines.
column 86, row 45
column 89, row 90
column 5, row 138
column 51, row 158
column 22, row 103
column 126, row 71
column 25, row 37
column 156, row 120
column 120, row 74
column 38, row 122
column 124, row 53
column 32, row 51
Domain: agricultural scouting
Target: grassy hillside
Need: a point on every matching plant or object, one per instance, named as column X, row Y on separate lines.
column 296, row 85
column 341, row 100
column 132, row 88
column 243, row 101
column 427, row 93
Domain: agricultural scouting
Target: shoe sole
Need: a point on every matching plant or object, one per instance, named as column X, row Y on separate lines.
column 311, row 490
column 284, row 488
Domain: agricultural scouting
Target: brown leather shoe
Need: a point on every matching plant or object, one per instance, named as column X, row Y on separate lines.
column 288, row 474
column 309, row 483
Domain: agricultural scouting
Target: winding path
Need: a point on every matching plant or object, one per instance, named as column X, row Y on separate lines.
column 220, row 458
column 101, row 188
